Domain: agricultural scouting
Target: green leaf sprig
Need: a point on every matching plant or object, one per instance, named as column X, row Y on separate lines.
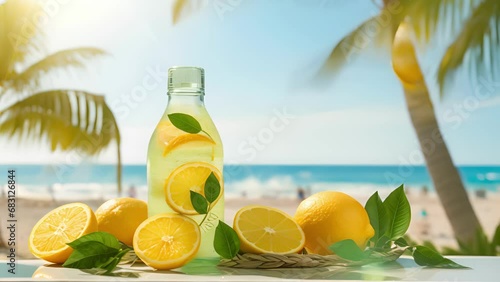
column 226, row 241
column 204, row 204
column 390, row 219
column 186, row 123
column 97, row 250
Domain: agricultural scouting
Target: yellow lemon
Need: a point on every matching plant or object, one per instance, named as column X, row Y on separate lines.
column 50, row 235
column 188, row 177
column 267, row 230
column 167, row 241
column 171, row 137
column 328, row 217
column 121, row 217
column 404, row 59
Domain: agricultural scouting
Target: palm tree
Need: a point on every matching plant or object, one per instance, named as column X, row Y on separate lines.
column 476, row 25
column 67, row 119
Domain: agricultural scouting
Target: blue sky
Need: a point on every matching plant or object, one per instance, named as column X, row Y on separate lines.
column 259, row 56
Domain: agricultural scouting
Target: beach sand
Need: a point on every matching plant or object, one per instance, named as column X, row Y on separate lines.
column 438, row 229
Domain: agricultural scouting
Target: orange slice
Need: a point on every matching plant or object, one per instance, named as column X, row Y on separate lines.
column 48, row 239
column 171, row 137
column 267, row 230
column 188, row 177
column 167, row 241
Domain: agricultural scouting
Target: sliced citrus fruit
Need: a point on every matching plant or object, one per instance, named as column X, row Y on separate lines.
column 167, row 241
column 49, row 237
column 171, row 137
column 188, row 177
column 267, row 230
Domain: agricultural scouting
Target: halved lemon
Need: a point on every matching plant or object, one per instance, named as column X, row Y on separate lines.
column 171, row 137
column 167, row 241
column 49, row 237
column 188, row 177
column 264, row 229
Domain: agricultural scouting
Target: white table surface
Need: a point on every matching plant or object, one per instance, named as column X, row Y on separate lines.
column 481, row 269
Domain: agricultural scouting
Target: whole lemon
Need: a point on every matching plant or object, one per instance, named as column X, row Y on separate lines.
column 121, row 217
column 328, row 217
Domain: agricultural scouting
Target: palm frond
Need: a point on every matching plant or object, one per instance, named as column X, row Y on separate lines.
column 182, row 8
column 477, row 44
column 67, row 119
column 18, row 33
column 177, row 9
column 32, row 76
column 429, row 17
column 372, row 30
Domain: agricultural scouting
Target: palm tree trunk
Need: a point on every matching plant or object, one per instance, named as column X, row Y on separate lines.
column 2, row 244
column 444, row 174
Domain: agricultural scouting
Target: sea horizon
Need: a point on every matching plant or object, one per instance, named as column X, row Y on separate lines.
column 98, row 181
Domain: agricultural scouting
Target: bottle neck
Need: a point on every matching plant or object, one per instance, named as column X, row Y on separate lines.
column 185, row 99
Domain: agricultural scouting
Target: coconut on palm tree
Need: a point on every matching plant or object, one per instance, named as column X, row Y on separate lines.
column 475, row 25
column 67, row 119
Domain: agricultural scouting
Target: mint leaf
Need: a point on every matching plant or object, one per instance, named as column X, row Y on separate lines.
column 226, row 241
column 97, row 250
column 199, row 202
column 347, row 249
column 89, row 255
column 424, row 256
column 212, row 188
column 185, row 122
column 399, row 213
column 379, row 219
column 103, row 237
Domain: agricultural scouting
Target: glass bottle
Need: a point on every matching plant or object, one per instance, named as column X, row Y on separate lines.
column 179, row 161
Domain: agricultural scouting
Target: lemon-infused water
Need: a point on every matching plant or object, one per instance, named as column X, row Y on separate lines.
column 180, row 161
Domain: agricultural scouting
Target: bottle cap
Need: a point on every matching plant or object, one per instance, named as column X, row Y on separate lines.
column 187, row 79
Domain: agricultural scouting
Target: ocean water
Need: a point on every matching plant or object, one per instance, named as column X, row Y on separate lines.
column 89, row 181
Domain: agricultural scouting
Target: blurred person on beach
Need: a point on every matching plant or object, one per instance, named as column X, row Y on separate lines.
column 50, row 190
column 425, row 190
column 132, row 193
column 301, row 194
column 480, row 193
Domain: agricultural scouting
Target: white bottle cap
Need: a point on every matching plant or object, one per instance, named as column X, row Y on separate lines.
column 186, row 79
